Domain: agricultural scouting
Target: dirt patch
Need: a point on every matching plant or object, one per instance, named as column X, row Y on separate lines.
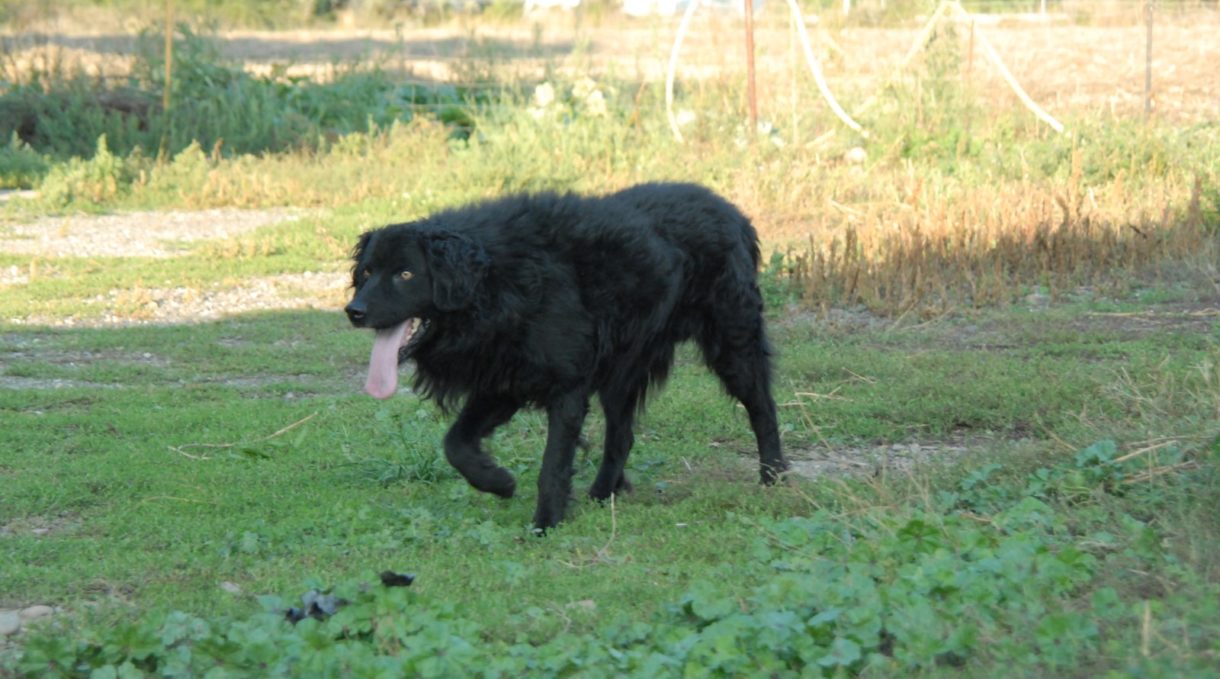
column 256, row 385
column 141, row 306
column 854, row 320
column 19, row 348
column 311, row 290
column 41, row 526
column 863, row 461
column 1199, row 317
column 30, row 351
column 162, row 234
column 991, row 332
column 134, row 234
column 15, row 347
column 16, row 382
column 13, row 276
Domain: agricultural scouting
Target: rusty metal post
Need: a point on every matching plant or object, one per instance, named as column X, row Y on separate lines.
column 1148, row 59
column 751, row 94
column 169, row 54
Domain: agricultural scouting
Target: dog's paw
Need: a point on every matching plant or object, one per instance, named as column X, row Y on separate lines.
column 492, row 479
column 501, row 483
column 547, row 517
column 601, row 493
column 770, row 474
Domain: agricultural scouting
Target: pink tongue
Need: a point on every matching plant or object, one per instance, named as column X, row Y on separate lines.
column 383, row 364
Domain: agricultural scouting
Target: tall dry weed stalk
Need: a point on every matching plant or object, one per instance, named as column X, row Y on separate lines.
column 989, row 248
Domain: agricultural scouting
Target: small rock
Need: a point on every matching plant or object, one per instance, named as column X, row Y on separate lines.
column 1037, row 300
column 393, row 579
column 10, row 623
column 587, row 605
column 36, row 612
column 855, row 155
column 230, row 587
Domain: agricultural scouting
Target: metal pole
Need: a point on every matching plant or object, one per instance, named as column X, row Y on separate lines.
column 794, row 97
column 1148, row 60
column 751, row 94
column 970, row 53
column 169, row 53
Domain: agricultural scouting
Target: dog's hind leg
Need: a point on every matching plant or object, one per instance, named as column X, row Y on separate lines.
column 565, row 416
column 737, row 350
column 478, row 419
column 619, row 404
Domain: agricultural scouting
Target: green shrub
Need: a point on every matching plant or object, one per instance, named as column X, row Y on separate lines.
column 21, row 167
column 101, row 179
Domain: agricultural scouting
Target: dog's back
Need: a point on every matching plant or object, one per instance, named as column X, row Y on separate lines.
column 694, row 219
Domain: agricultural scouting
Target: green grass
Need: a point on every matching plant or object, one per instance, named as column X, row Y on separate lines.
column 172, row 488
column 156, row 476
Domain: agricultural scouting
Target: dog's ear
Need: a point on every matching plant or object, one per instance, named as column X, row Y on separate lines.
column 358, row 256
column 457, row 266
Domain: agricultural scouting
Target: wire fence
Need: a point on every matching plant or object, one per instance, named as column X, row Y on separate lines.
column 1123, row 58
column 1111, row 57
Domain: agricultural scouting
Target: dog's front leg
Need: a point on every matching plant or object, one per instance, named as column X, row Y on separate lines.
column 478, row 419
column 565, row 416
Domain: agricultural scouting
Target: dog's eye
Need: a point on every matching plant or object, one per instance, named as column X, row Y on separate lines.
column 406, row 275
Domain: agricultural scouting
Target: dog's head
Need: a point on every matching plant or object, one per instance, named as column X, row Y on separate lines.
column 403, row 275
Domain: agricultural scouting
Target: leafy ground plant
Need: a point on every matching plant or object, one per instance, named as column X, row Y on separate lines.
column 891, row 592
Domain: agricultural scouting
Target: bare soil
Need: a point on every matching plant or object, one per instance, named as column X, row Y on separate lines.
column 160, row 235
column 132, row 234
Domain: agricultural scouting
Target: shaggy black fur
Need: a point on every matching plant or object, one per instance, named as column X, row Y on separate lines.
column 546, row 299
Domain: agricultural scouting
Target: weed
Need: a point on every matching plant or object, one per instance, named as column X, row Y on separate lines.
column 417, row 439
column 889, row 591
column 20, row 166
column 87, row 183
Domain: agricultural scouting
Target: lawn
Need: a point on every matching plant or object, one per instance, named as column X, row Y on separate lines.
column 165, row 484
column 998, row 369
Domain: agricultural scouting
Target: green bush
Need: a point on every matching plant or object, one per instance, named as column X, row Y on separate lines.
column 21, row 167
column 102, row 178
column 213, row 103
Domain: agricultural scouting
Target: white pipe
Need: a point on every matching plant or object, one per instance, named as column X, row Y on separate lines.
column 673, row 65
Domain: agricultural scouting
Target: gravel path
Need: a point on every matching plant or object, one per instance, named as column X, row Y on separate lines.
column 132, row 234
column 163, row 235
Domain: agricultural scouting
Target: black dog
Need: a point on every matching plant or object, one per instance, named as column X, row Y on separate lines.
column 543, row 300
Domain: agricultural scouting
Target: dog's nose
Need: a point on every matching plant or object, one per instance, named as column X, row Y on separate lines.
column 355, row 312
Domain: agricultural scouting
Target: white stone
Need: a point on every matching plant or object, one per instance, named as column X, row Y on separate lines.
column 10, row 623
column 36, row 612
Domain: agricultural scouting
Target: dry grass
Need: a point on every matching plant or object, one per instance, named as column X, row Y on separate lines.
column 991, row 247
column 926, row 230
